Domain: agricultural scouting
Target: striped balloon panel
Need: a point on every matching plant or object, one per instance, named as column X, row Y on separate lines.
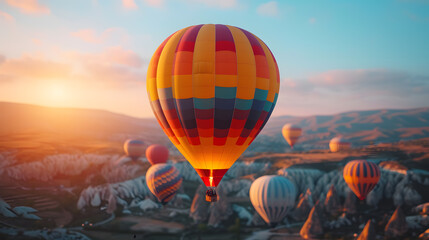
column 361, row 176
column 163, row 180
column 339, row 146
column 272, row 197
column 291, row 135
column 134, row 148
column 212, row 89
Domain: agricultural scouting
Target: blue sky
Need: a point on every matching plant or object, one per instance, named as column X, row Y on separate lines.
column 333, row 56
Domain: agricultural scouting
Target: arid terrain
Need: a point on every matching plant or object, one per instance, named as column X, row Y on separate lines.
column 63, row 173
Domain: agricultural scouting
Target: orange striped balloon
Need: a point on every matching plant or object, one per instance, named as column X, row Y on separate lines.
column 338, row 144
column 163, row 180
column 291, row 133
column 361, row 176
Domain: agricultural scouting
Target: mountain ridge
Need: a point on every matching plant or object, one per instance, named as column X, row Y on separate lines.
column 359, row 127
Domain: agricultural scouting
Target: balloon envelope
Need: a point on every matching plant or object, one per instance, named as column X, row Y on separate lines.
column 134, row 148
column 291, row 133
column 272, row 197
column 361, row 176
column 157, row 154
column 212, row 89
column 338, row 144
column 163, row 180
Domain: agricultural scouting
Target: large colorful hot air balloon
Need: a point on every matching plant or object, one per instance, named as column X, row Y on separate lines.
column 338, row 144
column 134, row 148
column 212, row 89
column 156, row 153
column 291, row 133
column 163, row 180
column 272, row 197
column 361, row 176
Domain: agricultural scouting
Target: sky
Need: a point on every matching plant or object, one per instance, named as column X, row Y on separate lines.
column 333, row 56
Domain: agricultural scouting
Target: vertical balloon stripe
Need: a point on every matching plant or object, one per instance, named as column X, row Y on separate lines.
column 164, row 83
column 371, row 170
column 182, row 83
column 203, row 85
column 153, row 95
column 246, row 81
column 273, row 90
column 260, row 94
column 226, row 86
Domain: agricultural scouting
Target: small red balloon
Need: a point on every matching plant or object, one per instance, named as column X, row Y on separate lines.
column 157, row 154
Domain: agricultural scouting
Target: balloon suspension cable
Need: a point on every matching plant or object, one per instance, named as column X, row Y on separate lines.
column 211, row 195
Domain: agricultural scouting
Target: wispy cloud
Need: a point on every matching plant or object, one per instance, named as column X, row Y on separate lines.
column 6, row 16
column 114, row 66
column 29, row 67
column 343, row 90
column 110, row 56
column 155, row 3
column 108, row 35
column 218, row 3
column 129, row 4
column 268, row 9
column 29, row 6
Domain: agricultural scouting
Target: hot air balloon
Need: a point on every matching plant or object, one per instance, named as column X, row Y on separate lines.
column 361, row 176
column 272, row 197
column 163, row 180
column 134, row 148
column 291, row 133
column 338, row 144
column 157, row 154
column 212, row 89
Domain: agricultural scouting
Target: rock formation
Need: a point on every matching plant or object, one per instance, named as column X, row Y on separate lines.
column 312, row 228
column 332, row 202
column 220, row 210
column 422, row 208
column 368, row 232
column 350, row 203
column 424, row 235
column 199, row 208
column 397, row 225
column 303, row 207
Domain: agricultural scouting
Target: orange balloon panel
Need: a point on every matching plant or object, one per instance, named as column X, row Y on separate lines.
column 291, row 133
column 361, row 176
column 212, row 89
column 338, row 144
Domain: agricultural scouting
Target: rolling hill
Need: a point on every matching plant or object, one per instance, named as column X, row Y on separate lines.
column 36, row 126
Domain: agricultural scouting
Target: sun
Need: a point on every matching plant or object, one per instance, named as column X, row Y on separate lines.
column 56, row 92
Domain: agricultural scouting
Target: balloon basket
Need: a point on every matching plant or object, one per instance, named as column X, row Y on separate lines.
column 211, row 195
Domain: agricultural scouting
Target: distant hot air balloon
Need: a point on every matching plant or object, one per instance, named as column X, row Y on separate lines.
column 212, row 89
column 272, row 197
column 156, row 153
column 361, row 176
column 338, row 144
column 291, row 133
column 134, row 148
column 163, row 180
